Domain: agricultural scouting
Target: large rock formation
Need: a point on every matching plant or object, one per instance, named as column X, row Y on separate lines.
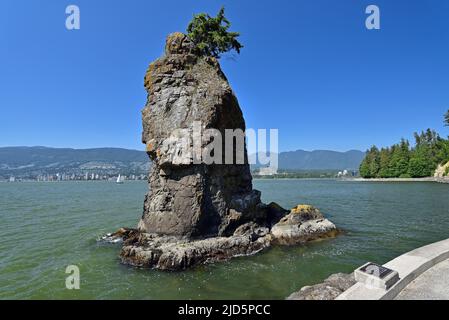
column 197, row 212
column 186, row 199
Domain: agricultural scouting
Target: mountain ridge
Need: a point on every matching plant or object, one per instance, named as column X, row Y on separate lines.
column 23, row 160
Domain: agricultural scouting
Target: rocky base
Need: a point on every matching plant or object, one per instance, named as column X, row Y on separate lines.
column 302, row 224
column 172, row 254
column 330, row 289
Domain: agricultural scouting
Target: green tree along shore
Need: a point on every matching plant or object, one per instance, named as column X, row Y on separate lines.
column 403, row 161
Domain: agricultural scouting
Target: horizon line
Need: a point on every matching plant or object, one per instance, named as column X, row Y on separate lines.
column 132, row 149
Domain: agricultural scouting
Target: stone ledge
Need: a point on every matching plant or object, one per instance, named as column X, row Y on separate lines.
column 409, row 266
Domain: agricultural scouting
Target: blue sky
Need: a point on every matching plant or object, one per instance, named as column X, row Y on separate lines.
column 309, row 68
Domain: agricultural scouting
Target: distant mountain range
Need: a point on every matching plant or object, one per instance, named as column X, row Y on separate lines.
column 32, row 161
column 29, row 161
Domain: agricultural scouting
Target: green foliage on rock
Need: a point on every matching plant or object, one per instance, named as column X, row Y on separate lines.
column 211, row 36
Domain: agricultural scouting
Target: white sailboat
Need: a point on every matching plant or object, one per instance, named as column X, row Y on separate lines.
column 120, row 179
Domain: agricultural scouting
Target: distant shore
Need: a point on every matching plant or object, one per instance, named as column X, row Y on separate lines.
column 427, row 179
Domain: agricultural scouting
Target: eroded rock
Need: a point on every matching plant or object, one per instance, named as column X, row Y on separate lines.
column 330, row 289
column 119, row 236
column 174, row 253
column 304, row 223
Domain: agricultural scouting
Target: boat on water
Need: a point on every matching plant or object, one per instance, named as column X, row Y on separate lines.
column 120, row 179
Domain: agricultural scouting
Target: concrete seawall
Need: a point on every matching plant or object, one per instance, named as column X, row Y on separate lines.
column 409, row 266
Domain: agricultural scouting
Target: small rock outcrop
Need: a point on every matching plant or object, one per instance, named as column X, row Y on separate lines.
column 304, row 223
column 197, row 212
column 119, row 236
column 330, row 289
column 442, row 171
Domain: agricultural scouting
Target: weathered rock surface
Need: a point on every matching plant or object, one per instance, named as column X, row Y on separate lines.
column 174, row 253
column 304, row 223
column 330, row 289
column 441, row 171
column 198, row 212
column 119, row 236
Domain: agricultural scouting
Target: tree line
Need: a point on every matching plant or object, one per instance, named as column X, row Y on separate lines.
column 405, row 161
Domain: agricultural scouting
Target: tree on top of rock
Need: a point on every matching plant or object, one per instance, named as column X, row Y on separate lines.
column 211, row 36
column 446, row 118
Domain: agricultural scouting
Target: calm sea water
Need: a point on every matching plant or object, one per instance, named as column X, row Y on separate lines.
column 45, row 227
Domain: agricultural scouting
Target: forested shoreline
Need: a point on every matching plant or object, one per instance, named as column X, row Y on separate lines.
column 405, row 161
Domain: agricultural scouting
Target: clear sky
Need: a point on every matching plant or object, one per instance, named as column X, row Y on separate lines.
column 309, row 68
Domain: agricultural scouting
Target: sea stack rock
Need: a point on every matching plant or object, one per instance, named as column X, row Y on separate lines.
column 186, row 199
column 199, row 212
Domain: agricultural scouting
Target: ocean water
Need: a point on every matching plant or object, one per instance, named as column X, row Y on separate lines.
column 45, row 227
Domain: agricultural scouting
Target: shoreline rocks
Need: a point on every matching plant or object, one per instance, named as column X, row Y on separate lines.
column 171, row 253
column 441, row 171
column 119, row 236
column 330, row 289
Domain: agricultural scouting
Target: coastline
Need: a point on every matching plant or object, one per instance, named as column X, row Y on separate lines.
column 426, row 179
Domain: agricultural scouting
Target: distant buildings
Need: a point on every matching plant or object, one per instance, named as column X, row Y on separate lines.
column 12, row 179
column 87, row 176
column 346, row 174
column 268, row 171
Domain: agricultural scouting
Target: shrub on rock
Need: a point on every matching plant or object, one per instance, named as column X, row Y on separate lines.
column 211, row 36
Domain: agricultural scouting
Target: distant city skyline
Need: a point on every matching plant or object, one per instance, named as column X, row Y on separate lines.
column 308, row 68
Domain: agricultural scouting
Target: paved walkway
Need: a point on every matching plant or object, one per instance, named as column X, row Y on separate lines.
column 431, row 285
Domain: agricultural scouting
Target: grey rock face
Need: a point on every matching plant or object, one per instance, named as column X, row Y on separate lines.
column 330, row 289
column 174, row 254
column 186, row 199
